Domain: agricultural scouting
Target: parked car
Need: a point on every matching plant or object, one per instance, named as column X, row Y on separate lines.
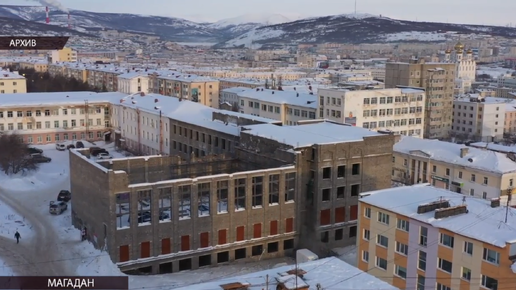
column 79, row 144
column 60, row 147
column 64, row 195
column 33, row 150
column 96, row 151
column 57, row 207
column 38, row 158
column 71, row 146
column 104, row 155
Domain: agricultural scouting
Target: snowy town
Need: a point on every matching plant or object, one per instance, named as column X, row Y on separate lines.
column 221, row 157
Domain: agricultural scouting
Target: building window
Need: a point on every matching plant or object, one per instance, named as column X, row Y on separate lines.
column 203, row 202
column 491, row 256
column 403, row 225
column 355, row 189
column 400, row 271
column 489, row 283
column 401, row 248
column 447, row 171
column 444, row 265
column 468, row 248
column 325, row 217
column 327, row 173
column 290, row 186
column 365, row 256
column 355, row 169
column 420, row 282
column 382, row 241
column 341, row 171
column 325, row 236
column 423, row 236
column 257, row 191
column 144, row 206
column 185, row 201
column 222, row 196
column 341, row 192
column 165, row 204
column 422, row 261
column 466, row 274
column 274, row 189
column 367, row 235
column 367, row 212
column 383, row 218
column 486, row 180
column 240, row 201
column 442, row 287
column 447, row 240
column 473, row 177
column 381, row 263
column 326, row 193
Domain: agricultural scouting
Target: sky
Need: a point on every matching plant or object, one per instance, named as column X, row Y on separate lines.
column 492, row 12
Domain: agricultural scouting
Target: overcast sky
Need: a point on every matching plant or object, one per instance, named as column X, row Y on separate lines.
column 496, row 12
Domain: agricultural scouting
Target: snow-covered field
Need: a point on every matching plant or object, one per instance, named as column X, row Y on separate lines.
column 81, row 258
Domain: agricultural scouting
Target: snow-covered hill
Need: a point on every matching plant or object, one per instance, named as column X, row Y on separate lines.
column 359, row 28
column 260, row 19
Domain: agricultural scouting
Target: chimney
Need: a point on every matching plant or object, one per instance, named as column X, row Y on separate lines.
column 155, row 100
column 273, row 92
column 69, row 21
column 48, row 18
column 495, row 202
column 463, row 152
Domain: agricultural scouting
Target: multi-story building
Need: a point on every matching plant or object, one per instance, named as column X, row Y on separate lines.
column 510, row 119
column 195, row 88
column 282, row 187
column 229, row 97
column 289, row 107
column 438, row 80
column 466, row 68
column 66, row 54
column 399, row 110
column 12, row 83
column 41, row 118
column 226, row 83
column 430, row 238
column 104, row 77
column 133, row 82
column 470, row 171
column 478, row 119
column 507, row 82
column 39, row 65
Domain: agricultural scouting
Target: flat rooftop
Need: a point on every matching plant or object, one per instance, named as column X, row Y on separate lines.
column 290, row 97
column 482, row 222
column 56, row 98
column 310, row 134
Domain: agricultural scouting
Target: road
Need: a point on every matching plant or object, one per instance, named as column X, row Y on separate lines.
column 39, row 255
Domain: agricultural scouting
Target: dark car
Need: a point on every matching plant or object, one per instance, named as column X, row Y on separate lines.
column 33, row 150
column 96, row 151
column 71, row 146
column 64, row 195
column 79, row 144
column 38, row 158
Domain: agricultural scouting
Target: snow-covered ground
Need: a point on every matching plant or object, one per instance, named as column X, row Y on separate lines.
column 36, row 189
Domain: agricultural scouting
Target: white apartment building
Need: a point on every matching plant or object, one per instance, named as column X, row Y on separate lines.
column 401, row 110
column 478, row 119
column 466, row 68
column 289, row 107
column 230, row 96
column 41, row 118
column 12, row 82
column 133, row 82
column 507, row 82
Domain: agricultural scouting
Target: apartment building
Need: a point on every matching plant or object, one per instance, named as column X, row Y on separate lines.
column 504, row 92
column 229, row 97
column 507, row 82
column 133, row 82
column 11, row 82
column 466, row 67
column 510, row 119
column 471, row 171
column 104, row 77
column 288, row 107
column 226, row 83
column 42, row 118
column 195, row 88
column 269, row 196
column 438, row 80
column 38, row 65
column 66, row 54
column 436, row 239
column 257, row 75
column 399, row 110
column 478, row 119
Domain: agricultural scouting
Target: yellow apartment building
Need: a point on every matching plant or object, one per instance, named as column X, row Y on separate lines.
column 40, row 66
column 471, row 171
column 422, row 237
column 66, row 54
column 12, row 82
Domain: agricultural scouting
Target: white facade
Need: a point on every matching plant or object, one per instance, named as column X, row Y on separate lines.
column 131, row 83
column 230, row 96
column 507, row 82
column 397, row 110
column 289, row 107
column 466, row 68
column 477, row 119
column 140, row 129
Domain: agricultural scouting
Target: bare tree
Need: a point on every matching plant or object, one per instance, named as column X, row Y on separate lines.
column 14, row 155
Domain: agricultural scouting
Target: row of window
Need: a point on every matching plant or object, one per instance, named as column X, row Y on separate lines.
column 340, row 192
column 390, row 100
column 55, row 112
column 3, row 91
column 341, row 170
column 391, row 112
column 471, row 108
column 57, row 137
column 391, row 123
column 14, row 83
column 57, row 124
column 325, row 217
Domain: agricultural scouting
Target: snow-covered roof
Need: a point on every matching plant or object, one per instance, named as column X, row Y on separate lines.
column 294, row 98
column 482, row 222
column 134, row 74
column 309, row 134
column 183, row 77
column 450, row 153
column 331, row 273
column 8, row 75
column 494, row 147
column 56, row 98
column 235, row 90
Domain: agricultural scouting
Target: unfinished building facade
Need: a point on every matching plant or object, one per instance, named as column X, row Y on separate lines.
column 159, row 214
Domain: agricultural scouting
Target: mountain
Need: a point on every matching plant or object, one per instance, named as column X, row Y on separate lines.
column 258, row 19
column 358, row 28
column 20, row 27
